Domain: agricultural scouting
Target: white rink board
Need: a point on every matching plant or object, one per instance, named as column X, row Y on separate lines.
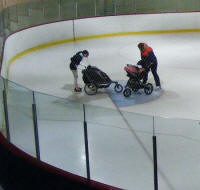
column 53, row 32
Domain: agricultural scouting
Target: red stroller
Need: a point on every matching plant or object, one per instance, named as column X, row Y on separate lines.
column 134, row 83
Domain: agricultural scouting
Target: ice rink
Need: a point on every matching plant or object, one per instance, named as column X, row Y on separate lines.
column 121, row 154
column 48, row 71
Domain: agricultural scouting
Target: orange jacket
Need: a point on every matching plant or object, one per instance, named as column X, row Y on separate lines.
column 146, row 52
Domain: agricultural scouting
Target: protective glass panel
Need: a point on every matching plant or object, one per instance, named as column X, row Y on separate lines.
column 178, row 150
column 120, row 148
column 13, row 13
column 20, row 115
column 1, row 24
column 105, row 8
column 104, row 116
column 51, row 9
column 28, row 14
column 68, row 9
column 2, row 119
column 125, row 7
column 61, row 137
column 85, row 8
column 167, row 6
column 148, row 6
column 185, row 5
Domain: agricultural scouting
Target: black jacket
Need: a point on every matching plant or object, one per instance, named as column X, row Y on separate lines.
column 75, row 60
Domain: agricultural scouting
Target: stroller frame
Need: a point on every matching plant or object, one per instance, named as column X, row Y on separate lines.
column 97, row 79
column 135, row 82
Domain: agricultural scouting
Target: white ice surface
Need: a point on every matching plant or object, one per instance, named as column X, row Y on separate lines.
column 48, row 71
column 121, row 154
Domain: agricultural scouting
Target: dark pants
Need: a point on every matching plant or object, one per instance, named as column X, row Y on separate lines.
column 153, row 69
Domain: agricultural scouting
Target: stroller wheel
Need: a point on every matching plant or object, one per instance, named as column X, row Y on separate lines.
column 118, row 88
column 90, row 89
column 148, row 88
column 127, row 92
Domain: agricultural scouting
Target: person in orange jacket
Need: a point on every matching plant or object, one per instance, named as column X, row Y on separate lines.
column 149, row 62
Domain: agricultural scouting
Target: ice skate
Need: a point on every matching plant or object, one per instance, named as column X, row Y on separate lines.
column 78, row 89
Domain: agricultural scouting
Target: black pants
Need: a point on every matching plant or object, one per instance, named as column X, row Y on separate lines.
column 153, row 69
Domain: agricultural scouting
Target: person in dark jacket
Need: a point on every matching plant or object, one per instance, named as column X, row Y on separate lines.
column 149, row 62
column 75, row 62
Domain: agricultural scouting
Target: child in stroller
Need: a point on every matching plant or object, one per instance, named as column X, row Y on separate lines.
column 135, row 83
